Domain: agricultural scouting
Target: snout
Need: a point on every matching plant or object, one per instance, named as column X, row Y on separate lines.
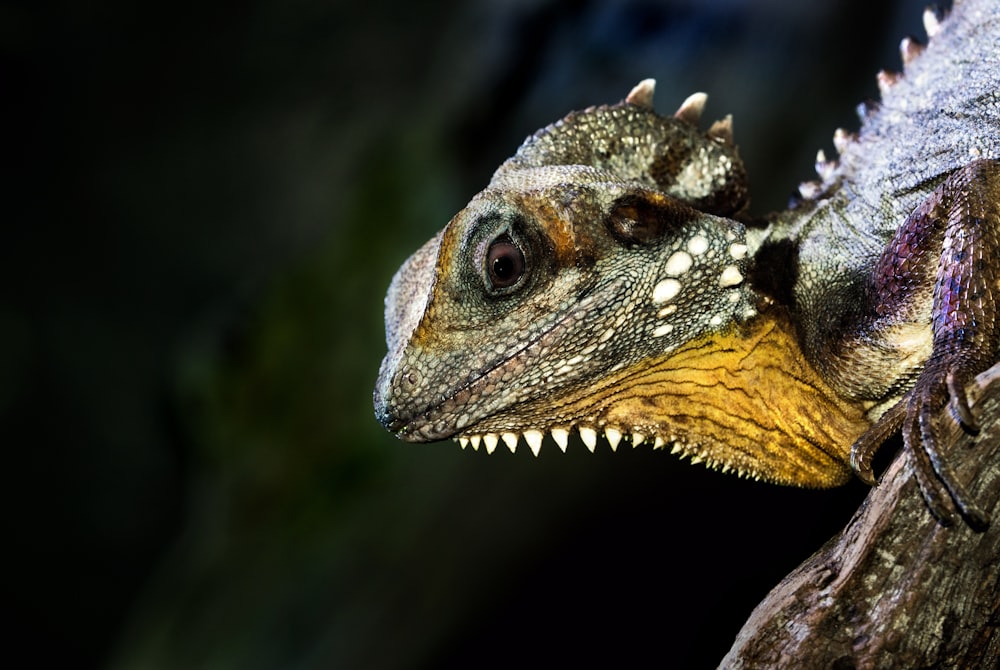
column 401, row 421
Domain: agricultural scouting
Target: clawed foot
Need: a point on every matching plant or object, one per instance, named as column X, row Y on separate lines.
column 949, row 242
column 938, row 389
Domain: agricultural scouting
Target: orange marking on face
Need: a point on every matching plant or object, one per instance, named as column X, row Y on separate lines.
column 556, row 224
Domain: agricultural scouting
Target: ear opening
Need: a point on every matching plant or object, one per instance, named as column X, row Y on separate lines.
column 644, row 217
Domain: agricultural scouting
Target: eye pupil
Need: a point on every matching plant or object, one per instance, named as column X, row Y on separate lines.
column 504, row 262
column 503, row 267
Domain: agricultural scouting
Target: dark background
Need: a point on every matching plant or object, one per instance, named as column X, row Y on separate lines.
column 204, row 204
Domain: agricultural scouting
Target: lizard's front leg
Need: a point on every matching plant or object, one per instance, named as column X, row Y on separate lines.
column 961, row 220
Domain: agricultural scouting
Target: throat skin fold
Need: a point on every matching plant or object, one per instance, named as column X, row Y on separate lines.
column 742, row 400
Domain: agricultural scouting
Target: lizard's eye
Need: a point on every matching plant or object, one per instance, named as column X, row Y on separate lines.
column 504, row 262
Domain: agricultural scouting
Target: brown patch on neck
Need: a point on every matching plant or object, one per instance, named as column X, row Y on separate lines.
column 745, row 399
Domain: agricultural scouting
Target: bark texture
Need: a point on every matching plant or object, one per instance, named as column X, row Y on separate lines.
column 895, row 589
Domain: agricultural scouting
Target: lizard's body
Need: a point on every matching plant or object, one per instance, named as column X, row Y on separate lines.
column 605, row 282
column 943, row 114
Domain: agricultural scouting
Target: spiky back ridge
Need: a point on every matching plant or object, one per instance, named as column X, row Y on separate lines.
column 938, row 113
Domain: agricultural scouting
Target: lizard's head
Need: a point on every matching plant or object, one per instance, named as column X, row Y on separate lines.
column 578, row 264
column 547, row 282
column 598, row 284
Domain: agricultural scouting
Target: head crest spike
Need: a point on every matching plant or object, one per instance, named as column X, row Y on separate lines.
column 722, row 131
column 690, row 110
column 641, row 94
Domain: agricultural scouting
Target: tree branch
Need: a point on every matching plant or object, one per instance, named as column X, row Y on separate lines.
column 895, row 588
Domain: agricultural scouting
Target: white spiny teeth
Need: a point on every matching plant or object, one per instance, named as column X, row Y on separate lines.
column 909, row 49
column 614, row 437
column 932, row 24
column 886, row 80
column 810, row 190
column 841, row 139
column 560, row 435
column 588, row 435
column 867, row 109
column 824, row 168
column 534, row 440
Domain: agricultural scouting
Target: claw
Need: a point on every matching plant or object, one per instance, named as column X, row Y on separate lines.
column 939, row 485
column 937, row 503
column 921, row 443
column 949, row 485
column 960, row 402
column 955, row 228
column 863, row 451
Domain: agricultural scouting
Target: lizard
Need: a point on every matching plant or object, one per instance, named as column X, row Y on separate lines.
column 609, row 281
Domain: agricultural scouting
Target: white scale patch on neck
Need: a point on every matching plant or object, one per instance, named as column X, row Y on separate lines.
column 665, row 329
column 700, row 262
column 731, row 276
column 666, row 290
column 678, row 263
column 698, row 244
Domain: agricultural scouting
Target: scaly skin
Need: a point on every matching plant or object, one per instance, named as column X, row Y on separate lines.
column 606, row 282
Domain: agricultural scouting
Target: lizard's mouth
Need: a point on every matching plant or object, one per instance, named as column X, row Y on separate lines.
column 560, row 436
column 498, row 394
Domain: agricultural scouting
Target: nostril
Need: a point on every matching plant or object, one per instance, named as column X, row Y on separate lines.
column 387, row 414
column 393, row 397
column 409, row 379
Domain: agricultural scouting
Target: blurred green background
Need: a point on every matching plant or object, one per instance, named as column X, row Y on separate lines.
column 204, row 205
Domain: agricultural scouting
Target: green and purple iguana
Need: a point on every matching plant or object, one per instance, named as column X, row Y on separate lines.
column 608, row 281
